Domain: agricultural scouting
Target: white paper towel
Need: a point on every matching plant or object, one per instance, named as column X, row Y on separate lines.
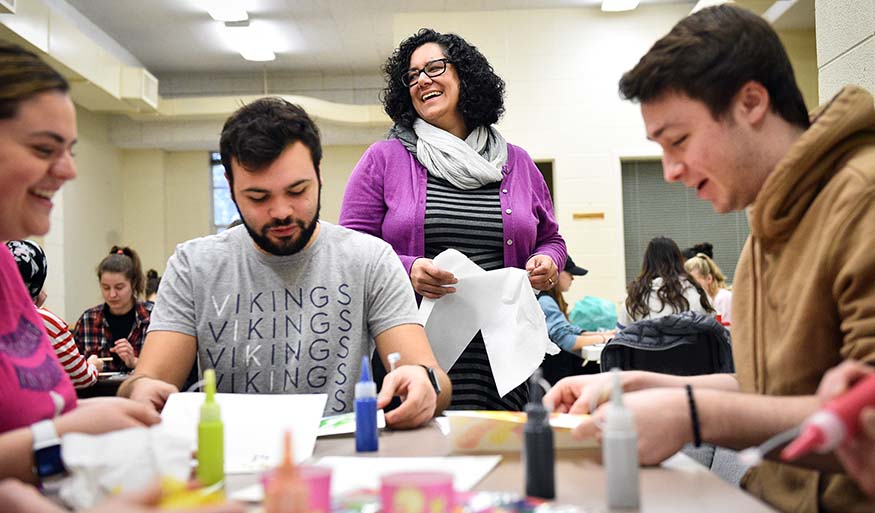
column 501, row 305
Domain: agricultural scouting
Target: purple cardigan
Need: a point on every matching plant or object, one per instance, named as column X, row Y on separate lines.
column 385, row 197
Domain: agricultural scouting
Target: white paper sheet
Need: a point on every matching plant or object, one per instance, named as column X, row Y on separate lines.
column 502, row 306
column 253, row 425
column 350, row 473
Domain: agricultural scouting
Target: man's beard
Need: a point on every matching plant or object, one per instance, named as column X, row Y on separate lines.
column 288, row 245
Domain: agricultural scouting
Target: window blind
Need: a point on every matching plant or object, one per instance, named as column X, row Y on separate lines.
column 652, row 207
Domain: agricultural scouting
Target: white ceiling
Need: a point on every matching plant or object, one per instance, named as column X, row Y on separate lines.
column 323, row 36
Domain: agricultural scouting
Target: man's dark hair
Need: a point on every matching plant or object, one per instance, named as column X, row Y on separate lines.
column 709, row 55
column 481, row 91
column 259, row 132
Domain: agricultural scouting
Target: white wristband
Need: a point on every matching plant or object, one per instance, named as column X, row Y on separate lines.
column 44, row 434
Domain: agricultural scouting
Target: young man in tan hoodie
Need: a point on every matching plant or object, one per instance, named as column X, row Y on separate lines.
column 718, row 94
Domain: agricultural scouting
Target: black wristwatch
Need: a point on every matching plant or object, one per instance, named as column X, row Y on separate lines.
column 433, row 378
column 47, row 463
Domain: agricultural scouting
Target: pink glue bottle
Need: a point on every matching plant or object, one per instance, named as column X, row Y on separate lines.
column 286, row 492
column 836, row 421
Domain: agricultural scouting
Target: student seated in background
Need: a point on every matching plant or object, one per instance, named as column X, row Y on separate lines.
column 718, row 94
column 708, row 275
column 705, row 248
column 33, row 266
column 663, row 287
column 564, row 334
column 569, row 337
column 286, row 303
column 37, row 400
column 153, row 281
column 115, row 329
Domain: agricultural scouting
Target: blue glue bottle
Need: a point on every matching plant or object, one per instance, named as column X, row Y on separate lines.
column 366, row 411
column 538, row 448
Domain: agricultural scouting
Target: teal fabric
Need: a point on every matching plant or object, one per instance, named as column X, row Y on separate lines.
column 594, row 313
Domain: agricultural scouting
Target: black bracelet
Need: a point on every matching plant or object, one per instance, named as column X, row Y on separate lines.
column 694, row 417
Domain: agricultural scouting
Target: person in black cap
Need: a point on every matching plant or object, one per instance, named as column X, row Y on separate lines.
column 33, row 267
column 567, row 336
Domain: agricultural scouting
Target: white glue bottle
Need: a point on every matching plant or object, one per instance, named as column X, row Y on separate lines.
column 620, row 451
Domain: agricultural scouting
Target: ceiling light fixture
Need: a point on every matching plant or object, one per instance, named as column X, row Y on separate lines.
column 252, row 45
column 619, row 5
column 778, row 9
column 701, row 4
column 226, row 10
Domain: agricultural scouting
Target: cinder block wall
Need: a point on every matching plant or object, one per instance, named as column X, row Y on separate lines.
column 845, row 45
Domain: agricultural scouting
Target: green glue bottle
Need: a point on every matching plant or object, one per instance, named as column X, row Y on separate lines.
column 210, row 436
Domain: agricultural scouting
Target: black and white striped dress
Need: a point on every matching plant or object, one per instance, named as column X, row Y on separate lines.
column 470, row 221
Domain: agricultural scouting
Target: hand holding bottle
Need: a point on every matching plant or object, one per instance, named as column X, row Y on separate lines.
column 857, row 454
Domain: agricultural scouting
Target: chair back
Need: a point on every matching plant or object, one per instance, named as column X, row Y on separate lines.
column 684, row 344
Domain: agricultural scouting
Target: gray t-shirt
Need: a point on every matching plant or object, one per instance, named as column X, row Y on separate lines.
column 285, row 324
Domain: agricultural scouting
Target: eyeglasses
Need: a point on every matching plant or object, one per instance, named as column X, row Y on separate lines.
column 432, row 69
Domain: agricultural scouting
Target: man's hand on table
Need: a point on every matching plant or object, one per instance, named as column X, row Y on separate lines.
column 662, row 420
column 418, row 399
column 149, row 391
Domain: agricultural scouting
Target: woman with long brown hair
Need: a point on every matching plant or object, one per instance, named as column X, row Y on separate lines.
column 116, row 329
column 664, row 287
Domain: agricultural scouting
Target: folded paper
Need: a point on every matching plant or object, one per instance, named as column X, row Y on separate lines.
column 502, row 306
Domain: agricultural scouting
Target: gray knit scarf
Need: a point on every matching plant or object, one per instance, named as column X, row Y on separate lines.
column 468, row 164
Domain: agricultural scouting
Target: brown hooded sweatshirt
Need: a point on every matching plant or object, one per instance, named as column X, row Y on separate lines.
column 804, row 291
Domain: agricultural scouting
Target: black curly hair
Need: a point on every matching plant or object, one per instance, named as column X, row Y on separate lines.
column 481, row 91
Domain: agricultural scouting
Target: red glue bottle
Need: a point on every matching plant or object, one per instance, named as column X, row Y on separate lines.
column 836, row 421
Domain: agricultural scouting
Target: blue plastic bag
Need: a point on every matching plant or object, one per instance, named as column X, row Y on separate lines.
column 594, row 313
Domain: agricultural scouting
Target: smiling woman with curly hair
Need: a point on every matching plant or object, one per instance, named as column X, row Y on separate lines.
column 446, row 178
column 481, row 91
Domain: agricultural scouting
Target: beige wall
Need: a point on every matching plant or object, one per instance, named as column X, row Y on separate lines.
column 188, row 199
column 144, row 204
column 92, row 215
column 337, row 164
column 801, row 47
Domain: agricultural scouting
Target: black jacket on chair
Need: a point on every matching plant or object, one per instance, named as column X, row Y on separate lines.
column 684, row 344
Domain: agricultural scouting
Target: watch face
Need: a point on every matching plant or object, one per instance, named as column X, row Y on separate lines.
column 48, row 461
column 434, row 382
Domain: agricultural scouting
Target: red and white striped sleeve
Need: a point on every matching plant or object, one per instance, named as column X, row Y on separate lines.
column 81, row 373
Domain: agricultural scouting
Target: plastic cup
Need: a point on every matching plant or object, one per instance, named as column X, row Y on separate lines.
column 417, row 492
column 318, row 480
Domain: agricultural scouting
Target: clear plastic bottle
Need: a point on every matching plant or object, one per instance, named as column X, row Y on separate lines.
column 620, row 451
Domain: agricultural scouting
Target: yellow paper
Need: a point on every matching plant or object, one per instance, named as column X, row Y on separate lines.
column 502, row 431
